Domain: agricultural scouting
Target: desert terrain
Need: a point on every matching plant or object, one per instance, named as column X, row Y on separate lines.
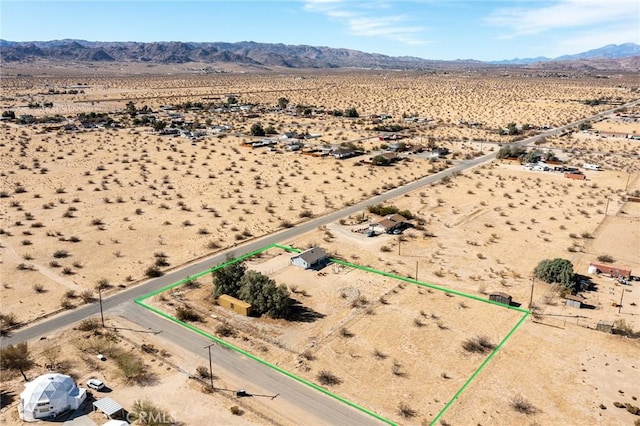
column 109, row 206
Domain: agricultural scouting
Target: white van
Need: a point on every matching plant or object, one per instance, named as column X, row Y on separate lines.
column 591, row 166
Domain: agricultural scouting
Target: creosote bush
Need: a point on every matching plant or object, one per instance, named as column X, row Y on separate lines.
column 478, row 344
column 145, row 413
column 521, row 405
column 605, row 258
column 225, row 330
column 153, row 272
column 186, row 313
column 405, row 411
column 89, row 324
column 326, row 378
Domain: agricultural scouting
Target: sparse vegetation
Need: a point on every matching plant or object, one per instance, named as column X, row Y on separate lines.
column 521, row 405
column 326, row 378
column 478, row 344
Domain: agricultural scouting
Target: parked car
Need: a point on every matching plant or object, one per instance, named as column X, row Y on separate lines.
column 95, row 384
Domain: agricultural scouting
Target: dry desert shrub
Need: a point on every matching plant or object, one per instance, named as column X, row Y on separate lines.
column 406, row 412
column 521, row 405
column 478, row 344
column 326, row 378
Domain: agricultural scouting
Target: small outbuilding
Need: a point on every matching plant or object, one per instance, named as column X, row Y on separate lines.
column 239, row 306
column 573, row 301
column 48, row 396
column 605, row 326
column 110, row 408
column 500, row 297
column 310, row 258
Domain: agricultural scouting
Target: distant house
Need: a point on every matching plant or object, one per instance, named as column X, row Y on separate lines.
column 385, row 158
column 573, row 301
column 309, row 258
column 500, row 297
column 294, row 146
column 390, row 224
column 384, row 225
column 614, row 271
column 340, row 153
column 288, row 135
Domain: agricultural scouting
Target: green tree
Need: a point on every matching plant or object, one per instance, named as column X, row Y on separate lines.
column 227, row 279
column 512, row 129
column 532, row 157
column 351, row 113
column 380, row 160
column 265, row 297
column 257, row 129
column 556, row 271
column 131, row 109
column 16, row 358
column 270, row 130
column 510, row 151
column 9, row 114
column 585, row 126
column 283, row 102
column 159, row 125
column 231, row 100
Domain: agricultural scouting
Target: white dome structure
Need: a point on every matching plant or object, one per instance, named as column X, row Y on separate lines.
column 48, row 396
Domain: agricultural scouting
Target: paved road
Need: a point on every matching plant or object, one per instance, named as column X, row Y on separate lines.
column 304, row 398
column 296, row 402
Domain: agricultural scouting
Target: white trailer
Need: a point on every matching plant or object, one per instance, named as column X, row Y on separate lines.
column 591, row 166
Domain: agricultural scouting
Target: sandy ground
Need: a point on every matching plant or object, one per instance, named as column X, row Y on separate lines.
column 97, row 205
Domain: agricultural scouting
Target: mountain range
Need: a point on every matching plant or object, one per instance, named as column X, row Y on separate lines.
column 610, row 51
column 279, row 55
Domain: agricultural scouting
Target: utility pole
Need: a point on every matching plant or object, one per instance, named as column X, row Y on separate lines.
column 606, row 209
column 399, row 241
column 627, row 184
column 210, row 367
column 100, row 298
column 531, row 297
column 416, row 270
column 621, row 297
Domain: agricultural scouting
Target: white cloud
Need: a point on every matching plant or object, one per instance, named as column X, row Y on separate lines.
column 564, row 14
column 362, row 19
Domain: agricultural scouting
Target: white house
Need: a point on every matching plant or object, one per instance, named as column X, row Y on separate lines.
column 309, row 258
column 48, row 396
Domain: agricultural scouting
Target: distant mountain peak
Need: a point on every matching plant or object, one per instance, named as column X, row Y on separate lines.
column 253, row 53
column 610, row 51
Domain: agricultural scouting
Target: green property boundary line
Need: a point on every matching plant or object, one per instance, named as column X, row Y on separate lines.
column 140, row 301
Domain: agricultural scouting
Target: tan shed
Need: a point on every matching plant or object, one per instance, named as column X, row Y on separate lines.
column 236, row 305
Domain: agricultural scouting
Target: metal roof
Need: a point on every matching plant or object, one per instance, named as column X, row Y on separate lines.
column 108, row 406
column 311, row 255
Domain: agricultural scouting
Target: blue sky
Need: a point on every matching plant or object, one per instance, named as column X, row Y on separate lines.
column 432, row 29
